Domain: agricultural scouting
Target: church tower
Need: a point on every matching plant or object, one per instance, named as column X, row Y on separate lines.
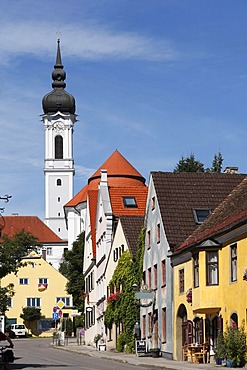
column 58, row 120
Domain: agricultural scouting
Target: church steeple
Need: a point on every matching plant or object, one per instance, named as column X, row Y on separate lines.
column 58, row 120
column 58, row 99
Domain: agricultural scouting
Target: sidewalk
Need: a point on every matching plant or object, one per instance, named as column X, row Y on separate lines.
column 141, row 361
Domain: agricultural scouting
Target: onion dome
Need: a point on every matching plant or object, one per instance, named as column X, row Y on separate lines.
column 58, row 99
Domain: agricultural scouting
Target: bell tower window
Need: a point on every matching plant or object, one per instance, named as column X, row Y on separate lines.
column 58, row 147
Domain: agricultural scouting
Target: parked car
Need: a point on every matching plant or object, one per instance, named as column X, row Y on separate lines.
column 19, row 330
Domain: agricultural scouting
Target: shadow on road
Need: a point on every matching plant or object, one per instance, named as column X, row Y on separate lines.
column 34, row 366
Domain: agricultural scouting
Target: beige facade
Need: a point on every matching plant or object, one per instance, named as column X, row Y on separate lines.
column 38, row 284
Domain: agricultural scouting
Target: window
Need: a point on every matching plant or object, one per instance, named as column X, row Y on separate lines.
column 59, row 182
column 212, row 268
column 49, row 251
column 155, row 276
column 149, row 324
column 33, row 302
column 65, row 300
column 115, row 255
column 158, row 233
column 148, row 238
column 58, row 199
column 196, row 270
column 149, row 278
column 234, row 270
column 129, row 202
column 181, row 281
column 23, row 281
column 9, row 302
column 58, row 147
column 65, row 250
column 163, row 272
column 153, row 203
column 59, row 230
column 43, row 281
column 200, row 215
column 144, row 326
column 163, row 325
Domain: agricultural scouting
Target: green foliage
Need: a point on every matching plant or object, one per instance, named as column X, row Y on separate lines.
column 124, row 310
column 235, row 344
column 30, row 314
column 232, row 345
column 217, row 163
column 13, row 250
column 5, row 294
column 140, row 254
column 189, row 164
column 67, row 326
column 79, row 321
column 72, row 268
column 121, row 341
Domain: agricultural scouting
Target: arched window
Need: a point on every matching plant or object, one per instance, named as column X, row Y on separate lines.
column 234, row 320
column 58, row 147
column 59, row 182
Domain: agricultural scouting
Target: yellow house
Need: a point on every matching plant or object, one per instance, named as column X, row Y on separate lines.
column 38, row 284
column 209, row 275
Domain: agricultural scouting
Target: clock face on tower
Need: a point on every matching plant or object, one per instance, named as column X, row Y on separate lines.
column 58, row 126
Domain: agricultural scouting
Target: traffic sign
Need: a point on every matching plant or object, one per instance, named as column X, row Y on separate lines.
column 60, row 304
column 55, row 316
column 60, row 313
column 54, row 309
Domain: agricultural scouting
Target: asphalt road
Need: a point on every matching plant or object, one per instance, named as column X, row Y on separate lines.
column 38, row 354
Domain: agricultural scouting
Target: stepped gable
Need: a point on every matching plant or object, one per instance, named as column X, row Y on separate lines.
column 179, row 193
column 119, row 173
column 117, row 202
column 31, row 224
column 132, row 226
column 227, row 216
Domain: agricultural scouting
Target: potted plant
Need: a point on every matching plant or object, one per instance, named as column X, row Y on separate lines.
column 220, row 349
column 155, row 352
column 232, row 346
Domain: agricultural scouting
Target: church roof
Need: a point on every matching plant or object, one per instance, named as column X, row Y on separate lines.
column 31, row 224
column 58, row 99
column 119, row 172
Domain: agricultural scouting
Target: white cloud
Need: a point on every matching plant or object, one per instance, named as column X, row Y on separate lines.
column 90, row 41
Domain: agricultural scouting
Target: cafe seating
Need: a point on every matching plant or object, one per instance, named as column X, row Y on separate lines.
column 194, row 353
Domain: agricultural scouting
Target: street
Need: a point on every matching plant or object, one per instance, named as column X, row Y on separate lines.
column 37, row 353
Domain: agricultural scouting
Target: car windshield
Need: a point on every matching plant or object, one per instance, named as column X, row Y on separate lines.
column 20, row 327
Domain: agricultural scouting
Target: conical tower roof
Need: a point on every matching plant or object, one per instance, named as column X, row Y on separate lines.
column 119, row 173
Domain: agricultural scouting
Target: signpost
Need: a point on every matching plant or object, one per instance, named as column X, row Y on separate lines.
column 55, row 316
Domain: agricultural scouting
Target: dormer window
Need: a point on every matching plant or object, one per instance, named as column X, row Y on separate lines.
column 129, row 202
column 200, row 215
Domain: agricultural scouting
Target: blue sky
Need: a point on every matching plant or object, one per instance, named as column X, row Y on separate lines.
column 155, row 79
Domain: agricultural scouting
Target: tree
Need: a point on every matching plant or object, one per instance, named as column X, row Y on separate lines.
column 72, row 268
column 11, row 253
column 217, row 163
column 189, row 164
column 13, row 250
column 29, row 315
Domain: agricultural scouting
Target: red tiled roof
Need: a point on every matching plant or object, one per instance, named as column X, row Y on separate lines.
column 31, row 224
column 118, row 208
column 179, row 193
column 80, row 197
column 229, row 214
column 92, row 201
column 119, row 173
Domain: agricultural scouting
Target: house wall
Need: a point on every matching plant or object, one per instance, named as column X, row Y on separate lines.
column 37, row 268
column 157, row 254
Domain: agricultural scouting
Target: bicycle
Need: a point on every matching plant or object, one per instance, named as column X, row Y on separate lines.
column 6, row 357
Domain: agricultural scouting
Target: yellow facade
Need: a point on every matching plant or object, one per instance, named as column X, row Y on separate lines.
column 212, row 305
column 29, row 291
